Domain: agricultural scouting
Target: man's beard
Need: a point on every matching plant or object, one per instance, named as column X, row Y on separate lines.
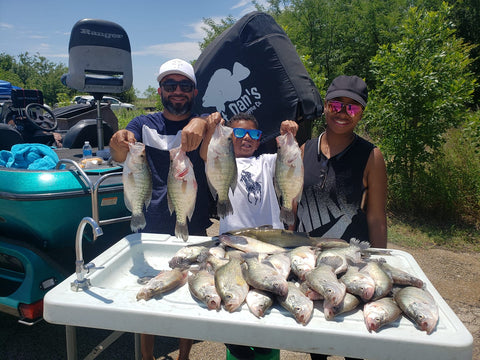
column 177, row 109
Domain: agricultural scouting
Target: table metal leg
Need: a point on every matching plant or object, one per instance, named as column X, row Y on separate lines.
column 71, row 337
column 138, row 352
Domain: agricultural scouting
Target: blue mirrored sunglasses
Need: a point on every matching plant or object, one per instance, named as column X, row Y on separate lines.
column 239, row 133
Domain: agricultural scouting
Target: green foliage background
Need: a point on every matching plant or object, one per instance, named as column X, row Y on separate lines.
column 420, row 59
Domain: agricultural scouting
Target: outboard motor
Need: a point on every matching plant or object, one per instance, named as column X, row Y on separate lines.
column 99, row 62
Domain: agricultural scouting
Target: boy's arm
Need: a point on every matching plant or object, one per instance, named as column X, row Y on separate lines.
column 289, row 126
column 212, row 121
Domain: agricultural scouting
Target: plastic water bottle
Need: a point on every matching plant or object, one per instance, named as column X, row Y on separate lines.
column 87, row 150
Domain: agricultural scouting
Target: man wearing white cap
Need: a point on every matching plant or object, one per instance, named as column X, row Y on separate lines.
column 160, row 132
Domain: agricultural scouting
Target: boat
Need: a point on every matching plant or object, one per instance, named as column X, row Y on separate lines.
column 41, row 208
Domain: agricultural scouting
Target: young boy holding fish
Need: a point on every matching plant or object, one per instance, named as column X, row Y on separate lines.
column 252, row 199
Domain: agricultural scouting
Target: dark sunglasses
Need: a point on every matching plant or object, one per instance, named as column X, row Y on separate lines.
column 171, row 85
column 337, row 106
column 239, row 133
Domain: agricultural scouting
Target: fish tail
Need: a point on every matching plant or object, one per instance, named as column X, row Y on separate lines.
column 181, row 231
column 287, row 216
column 138, row 222
column 224, row 208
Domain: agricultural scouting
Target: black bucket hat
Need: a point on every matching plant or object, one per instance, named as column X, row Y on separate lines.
column 348, row 86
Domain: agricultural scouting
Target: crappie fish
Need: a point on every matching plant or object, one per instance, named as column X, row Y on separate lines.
column 231, row 285
column 188, row 255
column 288, row 176
column 323, row 280
column 419, row 306
column 137, row 184
column 358, row 283
column 181, row 190
column 297, row 303
column 221, row 168
column 263, row 275
column 380, row 312
column 247, row 244
column 259, row 301
column 165, row 281
column 302, row 260
column 349, row 303
column 383, row 282
column 202, row 286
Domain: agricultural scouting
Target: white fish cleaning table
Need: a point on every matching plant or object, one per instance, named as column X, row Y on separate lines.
column 110, row 303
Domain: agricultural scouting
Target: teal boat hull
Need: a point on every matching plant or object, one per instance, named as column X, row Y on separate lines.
column 39, row 215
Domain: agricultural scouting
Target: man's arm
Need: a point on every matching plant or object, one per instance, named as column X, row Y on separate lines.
column 193, row 133
column 119, row 144
column 212, row 121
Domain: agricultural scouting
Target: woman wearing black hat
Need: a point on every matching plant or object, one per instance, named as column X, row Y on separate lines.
column 345, row 183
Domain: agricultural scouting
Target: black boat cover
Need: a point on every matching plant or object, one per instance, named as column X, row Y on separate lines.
column 253, row 67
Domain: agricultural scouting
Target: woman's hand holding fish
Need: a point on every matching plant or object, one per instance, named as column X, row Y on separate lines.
column 289, row 126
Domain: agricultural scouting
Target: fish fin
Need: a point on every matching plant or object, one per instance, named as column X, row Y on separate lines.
column 138, row 222
column 224, row 208
column 233, row 183
column 287, row 216
column 181, row 231
column 171, row 208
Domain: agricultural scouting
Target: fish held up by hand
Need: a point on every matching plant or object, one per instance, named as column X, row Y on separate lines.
column 137, row 184
column 181, row 190
column 288, row 175
column 221, row 168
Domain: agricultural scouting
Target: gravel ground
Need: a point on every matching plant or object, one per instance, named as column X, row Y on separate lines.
column 454, row 274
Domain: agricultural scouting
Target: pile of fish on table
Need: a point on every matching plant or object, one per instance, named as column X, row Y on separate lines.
column 261, row 266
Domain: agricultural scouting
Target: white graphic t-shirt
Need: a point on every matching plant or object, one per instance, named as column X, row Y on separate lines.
column 254, row 201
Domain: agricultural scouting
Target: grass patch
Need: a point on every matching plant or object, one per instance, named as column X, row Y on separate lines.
column 416, row 233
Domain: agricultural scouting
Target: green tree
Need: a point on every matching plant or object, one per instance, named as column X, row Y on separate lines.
column 423, row 86
column 214, row 29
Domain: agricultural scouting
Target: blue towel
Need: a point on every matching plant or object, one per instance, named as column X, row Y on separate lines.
column 29, row 156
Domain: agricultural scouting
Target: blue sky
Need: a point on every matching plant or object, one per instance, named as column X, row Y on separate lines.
column 158, row 30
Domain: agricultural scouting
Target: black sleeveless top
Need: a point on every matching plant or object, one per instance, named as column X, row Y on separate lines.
column 333, row 190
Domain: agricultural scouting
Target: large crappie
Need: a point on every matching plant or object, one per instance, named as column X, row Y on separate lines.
column 181, row 190
column 221, row 168
column 288, row 175
column 419, row 306
column 297, row 303
column 202, row 286
column 323, row 280
column 165, row 281
column 137, row 184
column 263, row 275
column 380, row 312
column 231, row 285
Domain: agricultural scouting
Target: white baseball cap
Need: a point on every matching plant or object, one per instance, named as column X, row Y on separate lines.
column 177, row 66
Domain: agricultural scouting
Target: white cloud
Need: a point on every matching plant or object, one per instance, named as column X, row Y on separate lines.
column 241, row 3
column 6, row 26
column 183, row 50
